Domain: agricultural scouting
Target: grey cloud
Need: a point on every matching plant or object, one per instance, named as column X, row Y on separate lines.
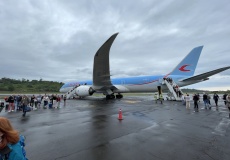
column 58, row 40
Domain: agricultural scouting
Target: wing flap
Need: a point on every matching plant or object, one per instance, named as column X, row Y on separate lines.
column 203, row 76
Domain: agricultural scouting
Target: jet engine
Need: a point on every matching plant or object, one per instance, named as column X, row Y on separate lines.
column 83, row 91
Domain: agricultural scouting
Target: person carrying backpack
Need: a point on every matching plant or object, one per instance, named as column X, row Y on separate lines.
column 25, row 102
column 11, row 143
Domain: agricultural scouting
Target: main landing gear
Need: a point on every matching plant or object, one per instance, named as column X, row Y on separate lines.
column 119, row 96
column 112, row 96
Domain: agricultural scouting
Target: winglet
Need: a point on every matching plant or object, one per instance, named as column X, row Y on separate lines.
column 188, row 65
column 101, row 64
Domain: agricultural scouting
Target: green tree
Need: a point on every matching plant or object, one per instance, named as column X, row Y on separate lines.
column 11, row 88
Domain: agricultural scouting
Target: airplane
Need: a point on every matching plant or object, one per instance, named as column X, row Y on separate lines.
column 181, row 75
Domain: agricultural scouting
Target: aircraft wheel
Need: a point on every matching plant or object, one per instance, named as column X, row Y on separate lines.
column 119, row 96
column 112, row 96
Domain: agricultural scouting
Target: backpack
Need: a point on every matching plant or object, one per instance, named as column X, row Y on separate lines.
column 9, row 148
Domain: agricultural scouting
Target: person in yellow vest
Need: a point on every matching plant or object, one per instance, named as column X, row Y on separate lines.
column 155, row 97
column 161, row 98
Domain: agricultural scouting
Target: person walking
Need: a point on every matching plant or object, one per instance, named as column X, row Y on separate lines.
column 54, row 101
column 10, row 147
column 205, row 99
column 161, row 98
column 228, row 103
column 35, row 103
column 11, row 103
column 224, row 98
column 25, row 102
column 216, row 97
column 187, row 101
column 58, row 101
column 196, row 99
column 32, row 101
column 39, row 100
column 209, row 101
column 19, row 105
column 155, row 97
column 46, row 99
column 64, row 100
column 183, row 99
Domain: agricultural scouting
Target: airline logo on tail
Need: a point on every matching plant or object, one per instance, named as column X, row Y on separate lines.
column 182, row 68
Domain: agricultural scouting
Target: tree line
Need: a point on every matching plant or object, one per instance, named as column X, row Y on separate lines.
column 25, row 85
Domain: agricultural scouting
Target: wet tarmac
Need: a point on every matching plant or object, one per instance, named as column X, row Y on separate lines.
column 90, row 130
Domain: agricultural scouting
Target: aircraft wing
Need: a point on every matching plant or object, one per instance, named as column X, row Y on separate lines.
column 204, row 76
column 101, row 69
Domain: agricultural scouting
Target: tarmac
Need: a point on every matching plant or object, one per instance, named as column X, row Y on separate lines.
column 89, row 129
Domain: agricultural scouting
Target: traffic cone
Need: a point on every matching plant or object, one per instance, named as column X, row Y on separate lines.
column 120, row 115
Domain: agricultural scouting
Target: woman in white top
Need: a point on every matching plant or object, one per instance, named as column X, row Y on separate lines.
column 187, row 99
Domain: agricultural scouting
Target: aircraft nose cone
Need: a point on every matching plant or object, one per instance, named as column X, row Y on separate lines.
column 61, row 90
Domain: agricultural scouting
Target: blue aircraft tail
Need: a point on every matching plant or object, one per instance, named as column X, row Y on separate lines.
column 188, row 65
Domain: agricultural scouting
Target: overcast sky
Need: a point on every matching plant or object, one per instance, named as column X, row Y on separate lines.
column 56, row 40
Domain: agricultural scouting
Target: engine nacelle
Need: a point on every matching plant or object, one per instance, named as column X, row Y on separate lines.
column 83, row 91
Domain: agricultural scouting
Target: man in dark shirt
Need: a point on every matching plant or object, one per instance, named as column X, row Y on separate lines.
column 224, row 98
column 11, row 103
column 216, row 98
column 205, row 99
column 196, row 99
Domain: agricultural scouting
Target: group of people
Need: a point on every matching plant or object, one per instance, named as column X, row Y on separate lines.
column 11, row 142
column 23, row 102
column 206, row 99
column 175, row 87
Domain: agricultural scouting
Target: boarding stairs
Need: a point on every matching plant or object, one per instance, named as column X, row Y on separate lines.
column 71, row 92
column 172, row 93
